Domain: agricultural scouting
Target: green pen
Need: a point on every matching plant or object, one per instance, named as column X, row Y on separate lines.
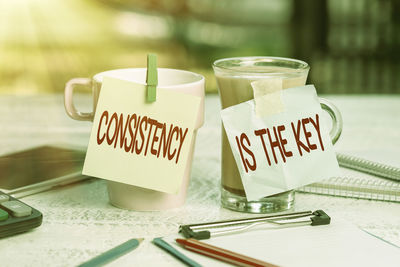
column 113, row 253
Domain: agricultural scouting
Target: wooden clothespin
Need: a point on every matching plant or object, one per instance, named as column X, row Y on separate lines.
column 151, row 77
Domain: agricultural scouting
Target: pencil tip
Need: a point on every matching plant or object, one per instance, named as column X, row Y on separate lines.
column 139, row 239
column 180, row 240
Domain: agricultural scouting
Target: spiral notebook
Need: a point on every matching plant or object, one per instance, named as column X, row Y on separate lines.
column 362, row 179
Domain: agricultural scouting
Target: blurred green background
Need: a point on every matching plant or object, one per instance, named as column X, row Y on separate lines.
column 352, row 46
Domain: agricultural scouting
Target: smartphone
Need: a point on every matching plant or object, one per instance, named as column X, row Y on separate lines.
column 40, row 168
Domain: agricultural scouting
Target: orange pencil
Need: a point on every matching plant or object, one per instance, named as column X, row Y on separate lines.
column 221, row 254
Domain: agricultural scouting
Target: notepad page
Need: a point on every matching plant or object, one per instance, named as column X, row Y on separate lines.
column 337, row 244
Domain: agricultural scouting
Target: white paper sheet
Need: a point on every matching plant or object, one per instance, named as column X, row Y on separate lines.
column 337, row 244
column 294, row 161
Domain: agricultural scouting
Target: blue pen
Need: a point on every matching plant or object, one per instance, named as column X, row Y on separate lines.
column 174, row 252
column 113, row 253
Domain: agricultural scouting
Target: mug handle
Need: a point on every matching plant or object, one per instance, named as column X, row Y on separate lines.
column 337, row 121
column 68, row 99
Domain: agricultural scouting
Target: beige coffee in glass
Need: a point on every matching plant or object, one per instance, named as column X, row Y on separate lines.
column 234, row 77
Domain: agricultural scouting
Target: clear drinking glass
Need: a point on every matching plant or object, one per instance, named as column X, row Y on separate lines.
column 234, row 76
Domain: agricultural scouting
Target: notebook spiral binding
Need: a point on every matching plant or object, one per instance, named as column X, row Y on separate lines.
column 356, row 188
column 360, row 188
column 370, row 167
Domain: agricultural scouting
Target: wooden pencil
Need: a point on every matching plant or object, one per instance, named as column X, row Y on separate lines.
column 221, row 254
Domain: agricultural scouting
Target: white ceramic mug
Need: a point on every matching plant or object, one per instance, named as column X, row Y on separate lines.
column 128, row 196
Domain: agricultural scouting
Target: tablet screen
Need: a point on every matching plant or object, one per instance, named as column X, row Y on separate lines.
column 38, row 165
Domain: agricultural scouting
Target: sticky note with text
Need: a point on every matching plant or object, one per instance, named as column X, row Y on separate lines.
column 281, row 151
column 140, row 143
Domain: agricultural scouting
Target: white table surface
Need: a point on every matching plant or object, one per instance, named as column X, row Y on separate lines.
column 79, row 222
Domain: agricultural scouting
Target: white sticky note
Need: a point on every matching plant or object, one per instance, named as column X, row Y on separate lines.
column 283, row 151
column 139, row 143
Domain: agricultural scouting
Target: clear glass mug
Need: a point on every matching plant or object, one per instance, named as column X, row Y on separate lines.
column 234, row 76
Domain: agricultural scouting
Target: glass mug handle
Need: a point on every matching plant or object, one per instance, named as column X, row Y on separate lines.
column 337, row 121
column 68, row 99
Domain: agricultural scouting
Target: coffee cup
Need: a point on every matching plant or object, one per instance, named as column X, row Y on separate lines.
column 234, row 77
column 129, row 196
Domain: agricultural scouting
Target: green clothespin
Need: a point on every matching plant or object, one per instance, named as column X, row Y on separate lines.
column 151, row 77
